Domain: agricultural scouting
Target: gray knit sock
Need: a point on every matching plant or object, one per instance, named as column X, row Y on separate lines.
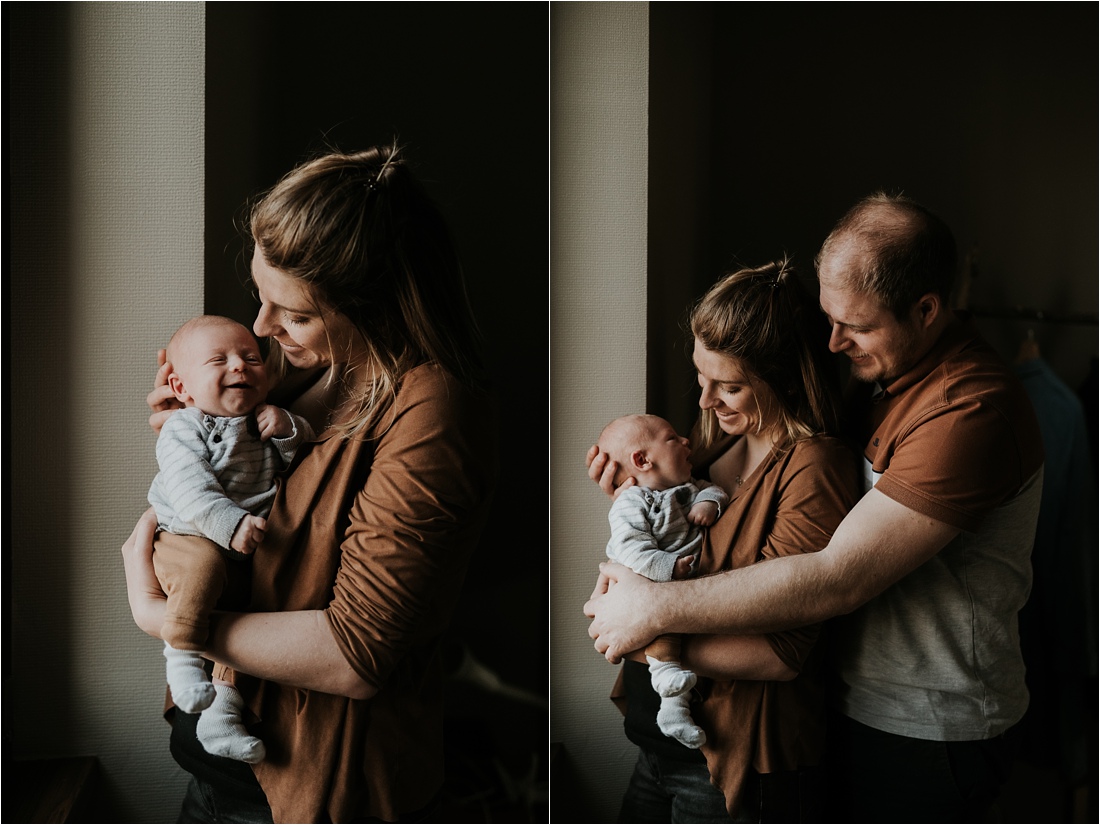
column 187, row 679
column 221, row 731
column 669, row 678
column 674, row 720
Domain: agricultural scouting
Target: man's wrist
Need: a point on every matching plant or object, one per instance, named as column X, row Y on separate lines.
column 661, row 612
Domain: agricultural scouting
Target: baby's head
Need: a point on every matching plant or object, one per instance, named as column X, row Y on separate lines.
column 649, row 449
column 217, row 367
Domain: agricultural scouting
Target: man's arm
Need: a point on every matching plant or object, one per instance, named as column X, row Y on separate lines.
column 878, row 543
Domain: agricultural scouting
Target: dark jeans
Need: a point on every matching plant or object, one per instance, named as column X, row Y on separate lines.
column 668, row 790
column 876, row 776
column 204, row 803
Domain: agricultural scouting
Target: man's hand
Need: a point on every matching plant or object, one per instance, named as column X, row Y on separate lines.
column 622, row 611
column 602, row 469
column 273, row 422
column 248, row 535
column 703, row 513
column 162, row 401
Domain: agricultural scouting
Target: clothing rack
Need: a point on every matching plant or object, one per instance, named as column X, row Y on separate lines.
column 1012, row 313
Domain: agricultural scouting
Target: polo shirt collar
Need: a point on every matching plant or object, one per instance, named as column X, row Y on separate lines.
column 958, row 334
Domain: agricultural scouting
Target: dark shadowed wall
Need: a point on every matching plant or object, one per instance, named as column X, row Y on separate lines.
column 464, row 87
column 777, row 122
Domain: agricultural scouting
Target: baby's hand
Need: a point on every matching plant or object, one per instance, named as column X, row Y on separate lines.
column 684, row 568
column 704, row 513
column 273, row 422
column 248, row 535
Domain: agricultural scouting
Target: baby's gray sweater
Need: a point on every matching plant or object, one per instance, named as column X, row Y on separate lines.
column 650, row 530
column 214, row 471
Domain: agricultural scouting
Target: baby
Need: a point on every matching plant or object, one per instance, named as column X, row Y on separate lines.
column 218, row 458
column 655, row 531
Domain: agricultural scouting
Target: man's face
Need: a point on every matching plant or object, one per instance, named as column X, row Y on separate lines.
column 880, row 347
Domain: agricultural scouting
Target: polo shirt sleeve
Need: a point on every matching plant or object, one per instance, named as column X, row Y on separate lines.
column 956, row 462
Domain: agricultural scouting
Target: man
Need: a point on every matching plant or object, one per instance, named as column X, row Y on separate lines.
column 929, row 569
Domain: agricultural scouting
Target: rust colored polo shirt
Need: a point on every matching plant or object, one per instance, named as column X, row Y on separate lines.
column 937, row 655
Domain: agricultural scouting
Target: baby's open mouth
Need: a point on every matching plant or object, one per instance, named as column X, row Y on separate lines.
column 240, row 386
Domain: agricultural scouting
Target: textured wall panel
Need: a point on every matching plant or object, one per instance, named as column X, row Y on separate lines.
column 599, row 117
column 107, row 252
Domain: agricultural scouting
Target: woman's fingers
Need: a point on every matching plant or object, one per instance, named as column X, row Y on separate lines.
column 162, row 401
column 143, row 590
column 602, row 470
column 157, row 419
column 138, row 548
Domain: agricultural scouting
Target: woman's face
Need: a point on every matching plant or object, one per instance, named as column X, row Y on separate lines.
column 310, row 334
column 726, row 390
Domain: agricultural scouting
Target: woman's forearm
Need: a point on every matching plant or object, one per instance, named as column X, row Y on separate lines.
column 293, row 648
column 727, row 658
column 734, row 657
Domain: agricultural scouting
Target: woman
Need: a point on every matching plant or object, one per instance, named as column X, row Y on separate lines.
column 369, row 538
column 767, row 409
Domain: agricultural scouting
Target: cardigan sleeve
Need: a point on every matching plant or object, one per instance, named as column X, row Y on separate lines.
column 821, row 483
column 413, row 524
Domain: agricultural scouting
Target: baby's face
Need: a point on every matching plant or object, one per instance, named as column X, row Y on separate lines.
column 219, row 370
column 669, row 453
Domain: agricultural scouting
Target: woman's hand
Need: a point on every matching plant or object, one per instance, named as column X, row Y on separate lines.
column 147, row 601
column 162, row 401
column 602, row 469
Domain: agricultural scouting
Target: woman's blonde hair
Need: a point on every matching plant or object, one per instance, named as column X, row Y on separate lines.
column 361, row 231
column 764, row 319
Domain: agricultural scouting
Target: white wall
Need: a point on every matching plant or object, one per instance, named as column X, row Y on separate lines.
column 107, row 255
column 599, row 58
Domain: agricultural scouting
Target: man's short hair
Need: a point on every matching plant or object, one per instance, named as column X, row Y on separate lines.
column 911, row 251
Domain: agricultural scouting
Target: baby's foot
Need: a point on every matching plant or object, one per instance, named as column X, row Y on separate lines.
column 674, row 720
column 668, row 678
column 193, row 698
column 221, row 731
column 187, row 679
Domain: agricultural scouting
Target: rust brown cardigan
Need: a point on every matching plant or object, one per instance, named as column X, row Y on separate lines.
column 790, row 504
column 376, row 532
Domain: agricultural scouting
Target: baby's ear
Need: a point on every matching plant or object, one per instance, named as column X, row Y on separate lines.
column 639, row 460
column 176, row 383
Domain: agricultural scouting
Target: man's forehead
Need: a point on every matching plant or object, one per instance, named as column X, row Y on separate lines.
column 847, row 306
column 844, row 257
